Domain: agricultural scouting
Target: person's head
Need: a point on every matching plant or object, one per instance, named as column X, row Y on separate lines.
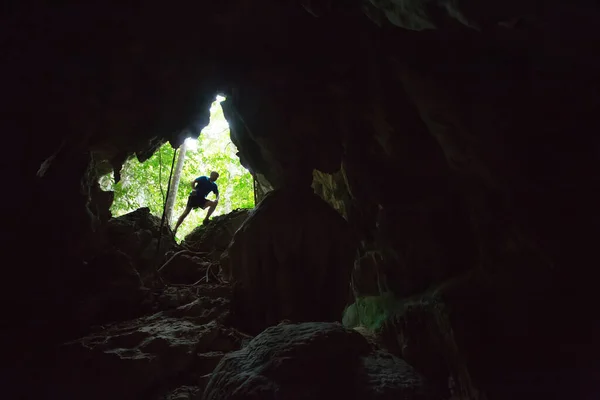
column 213, row 176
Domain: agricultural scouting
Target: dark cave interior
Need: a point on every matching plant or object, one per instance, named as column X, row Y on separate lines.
column 443, row 153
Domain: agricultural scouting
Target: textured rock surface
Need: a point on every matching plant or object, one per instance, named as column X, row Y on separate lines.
column 215, row 236
column 183, row 393
column 425, row 14
column 136, row 234
column 142, row 342
column 145, row 356
column 312, row 360
column 446, row 332
column 121, row 274
column 187, row 267
column 291, row 259
column 115, row 291
column 449, row 151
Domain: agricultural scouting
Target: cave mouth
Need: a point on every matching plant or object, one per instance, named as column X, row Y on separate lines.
column 145, row 184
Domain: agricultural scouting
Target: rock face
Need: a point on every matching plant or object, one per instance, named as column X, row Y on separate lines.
column 451, row 152
column 159, row 339
column 121, row 272
column 291, row 259
column 198, row 256
column 316, row 361
column 216, row 236
column 136, row 234
column 422, row 14
column 146, row 356
column 187, row 267
column 115, row 292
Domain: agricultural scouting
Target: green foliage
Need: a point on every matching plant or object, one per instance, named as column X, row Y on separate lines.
column 214, row 151
column 371, row 311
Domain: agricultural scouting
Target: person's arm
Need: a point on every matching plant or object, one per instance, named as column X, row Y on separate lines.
column 217, row 193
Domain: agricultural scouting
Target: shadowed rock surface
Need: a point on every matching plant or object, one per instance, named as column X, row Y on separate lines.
column 458, row 141
column 137, row 234
column 215, row 237
column 143, row 342
column 312, row 361
column 279, row 272
column 143, row 357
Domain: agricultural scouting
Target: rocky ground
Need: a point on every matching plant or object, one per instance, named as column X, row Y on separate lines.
column 162, row 330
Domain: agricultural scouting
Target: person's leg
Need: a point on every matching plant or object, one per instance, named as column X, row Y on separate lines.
column 211, row 207
column 180, row 220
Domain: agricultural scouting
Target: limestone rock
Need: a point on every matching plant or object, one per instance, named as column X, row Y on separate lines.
column 445, row 334
column 141, row 357
column 367, row 279
column 291, row 259
column 423, row 14
column 115, row 290
column 186, row 268
column 316, row 361
column 171, row 297
column 502, row 120
column 136, row 234
column 182, row 393
column 217, row 234
column 209, row 361
column 332, row 189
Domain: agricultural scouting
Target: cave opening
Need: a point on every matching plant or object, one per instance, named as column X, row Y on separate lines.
column 423, row 175
column 144, row 184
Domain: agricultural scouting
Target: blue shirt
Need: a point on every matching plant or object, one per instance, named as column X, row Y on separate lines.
column 204, row 186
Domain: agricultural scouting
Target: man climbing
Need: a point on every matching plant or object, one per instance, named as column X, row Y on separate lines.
column 201, row 187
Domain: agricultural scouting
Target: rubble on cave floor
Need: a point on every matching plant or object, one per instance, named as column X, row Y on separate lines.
column 151, row 333
column 122, row 275
column 149, row 356
column 182, row 345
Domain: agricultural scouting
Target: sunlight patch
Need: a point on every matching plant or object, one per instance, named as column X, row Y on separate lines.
column 191, row 144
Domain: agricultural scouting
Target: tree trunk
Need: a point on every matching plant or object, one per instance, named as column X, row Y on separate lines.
column 175, row 184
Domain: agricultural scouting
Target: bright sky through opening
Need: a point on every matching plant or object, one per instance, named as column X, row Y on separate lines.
column 212, row 129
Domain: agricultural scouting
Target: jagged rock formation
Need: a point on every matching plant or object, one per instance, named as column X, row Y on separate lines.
column 137, row 234
column 146, row 357
column 313, row 360
column 216, row 236
column 200, row 252
column 120, row 273
column 291, row 259
column 184, row 330
column 144, row 338
column 462, row 157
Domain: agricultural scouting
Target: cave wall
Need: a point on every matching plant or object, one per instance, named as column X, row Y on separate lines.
column 452, row 152
column 484, row 218
column 463, row 175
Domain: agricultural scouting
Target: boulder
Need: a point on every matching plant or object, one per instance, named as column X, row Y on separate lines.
column 136, row 234
column 291, row 259
column 182, row 393
column 313, row 360
column 170, row 297
column 186, row 267
column 145, row 356
column 114, row 291
column 217, row 234
column 461, row 334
